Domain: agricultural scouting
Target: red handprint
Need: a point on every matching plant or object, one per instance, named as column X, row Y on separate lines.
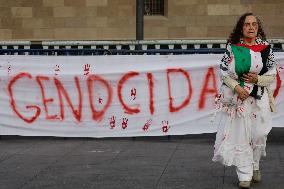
column 147, row 124
column 100, row 100
column 165, row 126
column 56, row 69
column 112, row 122
column 87, row 69
column 124, row 123
column 133, row 93
column 9, row 69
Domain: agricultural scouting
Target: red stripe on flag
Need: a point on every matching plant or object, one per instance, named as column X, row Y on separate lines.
column 255, row 48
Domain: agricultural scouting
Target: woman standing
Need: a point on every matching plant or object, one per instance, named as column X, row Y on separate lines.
column 247, row 70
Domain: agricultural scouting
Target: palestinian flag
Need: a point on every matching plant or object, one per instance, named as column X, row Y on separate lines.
column 250, row 59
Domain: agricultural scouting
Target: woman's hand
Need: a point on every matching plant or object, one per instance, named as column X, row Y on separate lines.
column 250, row 78
column 242, row 93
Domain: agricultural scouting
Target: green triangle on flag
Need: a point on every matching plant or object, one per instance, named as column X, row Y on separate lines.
column 242, row 61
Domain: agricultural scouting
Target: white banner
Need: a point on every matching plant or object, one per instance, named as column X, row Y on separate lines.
column 113, row 96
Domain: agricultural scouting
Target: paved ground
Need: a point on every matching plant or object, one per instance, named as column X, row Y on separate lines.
column 183, row 162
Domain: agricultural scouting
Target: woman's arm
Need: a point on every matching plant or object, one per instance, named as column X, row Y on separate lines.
column 265, row 80
column 230, row 82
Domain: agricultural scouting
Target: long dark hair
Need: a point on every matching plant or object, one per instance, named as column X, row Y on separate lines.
column 237, row 33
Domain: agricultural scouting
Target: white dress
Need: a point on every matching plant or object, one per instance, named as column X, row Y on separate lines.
column 243, row 126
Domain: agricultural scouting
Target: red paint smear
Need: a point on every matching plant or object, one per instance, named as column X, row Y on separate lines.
column 205, row 89
column 278, row 84
column 77, row 113
column 98, row 115
column 151, row 92
column 13, row 103
column 127, row 109
column 186, row 101
column 45, row 100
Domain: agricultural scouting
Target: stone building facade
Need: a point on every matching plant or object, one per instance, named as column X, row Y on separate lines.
column 38, row 20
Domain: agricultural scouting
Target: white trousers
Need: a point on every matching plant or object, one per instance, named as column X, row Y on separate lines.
column 245, row 173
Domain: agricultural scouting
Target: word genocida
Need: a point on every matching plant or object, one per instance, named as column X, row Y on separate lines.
column 209, row 87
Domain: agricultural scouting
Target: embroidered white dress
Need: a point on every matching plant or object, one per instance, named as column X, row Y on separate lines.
column 244, row 126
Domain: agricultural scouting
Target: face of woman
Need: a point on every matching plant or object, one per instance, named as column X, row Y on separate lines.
column 250, row 27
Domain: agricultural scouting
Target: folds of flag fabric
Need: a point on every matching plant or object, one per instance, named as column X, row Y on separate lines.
column 250, row 59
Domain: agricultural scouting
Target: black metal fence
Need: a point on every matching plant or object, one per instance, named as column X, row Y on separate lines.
column 95, row 52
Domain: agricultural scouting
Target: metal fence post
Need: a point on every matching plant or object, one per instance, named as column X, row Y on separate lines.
column 139, row 21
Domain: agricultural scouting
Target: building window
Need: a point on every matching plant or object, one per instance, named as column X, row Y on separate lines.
column 154, row 7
